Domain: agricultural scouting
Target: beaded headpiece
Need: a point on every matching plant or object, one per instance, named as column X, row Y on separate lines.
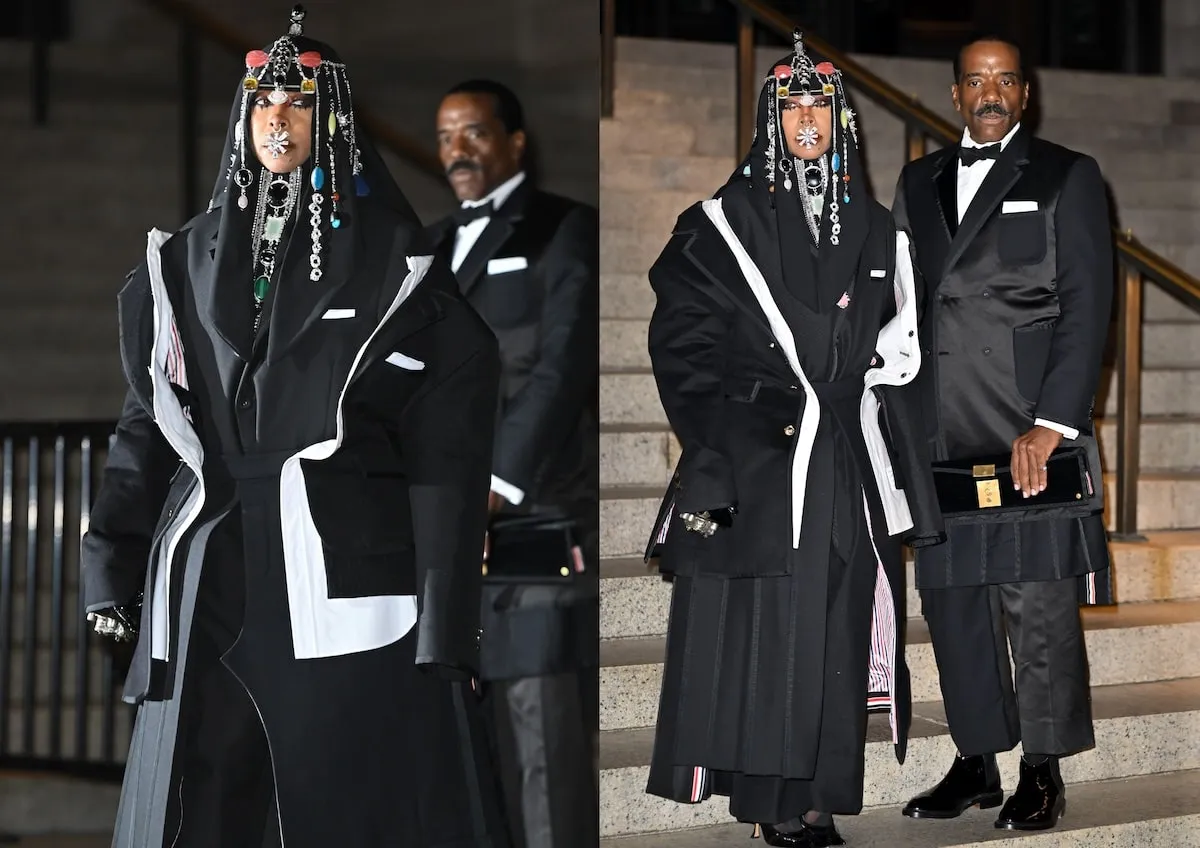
column 805, row 80
column 285, row 67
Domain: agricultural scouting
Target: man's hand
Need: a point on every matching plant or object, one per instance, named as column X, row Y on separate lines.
column 495, row 503
column 1030, row 453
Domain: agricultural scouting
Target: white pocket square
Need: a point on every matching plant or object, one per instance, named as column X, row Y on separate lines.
column 406, row 362
column 335, row 314
column 1011, row 207
column 878, row 273
column 507, row 264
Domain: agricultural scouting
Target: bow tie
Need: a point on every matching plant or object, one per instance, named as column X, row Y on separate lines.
column 968, row 156
column 466, row 214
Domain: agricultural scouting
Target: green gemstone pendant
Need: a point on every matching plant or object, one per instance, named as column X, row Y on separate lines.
column 273, row 228
column 260, row 288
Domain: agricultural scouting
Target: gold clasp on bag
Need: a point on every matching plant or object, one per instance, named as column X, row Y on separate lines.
column 988, row 492
column 983, row 471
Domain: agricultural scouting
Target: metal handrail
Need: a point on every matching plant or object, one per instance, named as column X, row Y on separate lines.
column 194, row 21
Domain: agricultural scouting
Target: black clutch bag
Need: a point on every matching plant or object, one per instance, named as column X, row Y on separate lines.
column 533, row 548
column 980, row 490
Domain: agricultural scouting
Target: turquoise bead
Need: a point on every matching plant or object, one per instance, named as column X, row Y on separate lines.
column 337, row 222
column 318, row 178
column 837, row 162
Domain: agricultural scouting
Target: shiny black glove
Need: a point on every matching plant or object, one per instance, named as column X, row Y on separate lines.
column 119, row 622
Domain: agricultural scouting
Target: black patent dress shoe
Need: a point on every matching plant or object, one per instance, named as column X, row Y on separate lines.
column 971, row 781
column 809, row 836
column 1039, row 801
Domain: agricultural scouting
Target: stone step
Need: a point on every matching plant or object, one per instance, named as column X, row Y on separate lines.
column 26, row 331
column 633, row 210
column 1129, row 643
column 1166, row 501
column 630, row 396
column 57, row 812
column 1161, row 810
column 630, row 296
column 635, row 599
column 1141, row 729
column 1166, row 344
column 634, row 455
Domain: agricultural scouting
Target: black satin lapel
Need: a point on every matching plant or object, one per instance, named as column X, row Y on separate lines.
column 996, row 185
column 947, row 195
column 300, row 302
column 713, row 258
column 493, row 237
column 227, row 316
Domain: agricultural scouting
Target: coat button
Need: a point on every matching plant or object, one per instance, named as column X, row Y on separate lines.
column 987, row 351
column 244, row 403
column 987, row 294
column 789, row 430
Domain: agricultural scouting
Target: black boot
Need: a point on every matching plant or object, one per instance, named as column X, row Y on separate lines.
column 971, row 781
column 808, row 836
column 1039, row 800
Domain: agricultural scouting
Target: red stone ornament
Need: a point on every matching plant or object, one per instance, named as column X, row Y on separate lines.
column 256, row 59
column 826, row 69
column 311, row 59
column 782, row 71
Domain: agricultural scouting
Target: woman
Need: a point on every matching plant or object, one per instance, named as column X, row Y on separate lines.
column 298, row 488
column 784, row 346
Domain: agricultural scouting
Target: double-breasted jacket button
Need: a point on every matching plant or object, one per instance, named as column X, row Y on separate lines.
column 789, row 430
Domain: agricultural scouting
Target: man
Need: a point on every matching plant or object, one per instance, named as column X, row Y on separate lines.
column 528, row 262
column 1011, row 235
column 298, row 491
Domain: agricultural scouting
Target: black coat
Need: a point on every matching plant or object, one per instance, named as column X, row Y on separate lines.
column 356, row 434
column 546, row 318
column 757, row 434
column 1014, row 326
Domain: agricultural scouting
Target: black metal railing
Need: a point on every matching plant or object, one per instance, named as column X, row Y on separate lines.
column 1138, row 263
column 59, row 683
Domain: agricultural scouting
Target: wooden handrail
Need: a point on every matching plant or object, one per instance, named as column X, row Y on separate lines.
column 218, row 32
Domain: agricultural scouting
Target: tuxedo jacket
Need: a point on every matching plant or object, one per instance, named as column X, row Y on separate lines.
column 1016, row 314
column 533, row 275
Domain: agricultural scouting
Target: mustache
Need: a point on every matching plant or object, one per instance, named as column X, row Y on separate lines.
column 463, row 165
column 992, row 109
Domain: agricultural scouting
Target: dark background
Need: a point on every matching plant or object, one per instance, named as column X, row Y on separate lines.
column 1099, row 35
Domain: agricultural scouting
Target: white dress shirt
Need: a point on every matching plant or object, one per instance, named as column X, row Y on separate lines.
column 469, row 234
column 970, row 178
column 464, row 240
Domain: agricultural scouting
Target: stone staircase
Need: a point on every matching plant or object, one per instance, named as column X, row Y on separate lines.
column 671, row 144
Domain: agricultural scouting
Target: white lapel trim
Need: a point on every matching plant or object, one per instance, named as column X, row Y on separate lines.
column 900, row 348
column 166, row 355
column 811, row 416
column 324, row 626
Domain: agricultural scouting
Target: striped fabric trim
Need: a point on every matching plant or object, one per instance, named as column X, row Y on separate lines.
column 666, row 524
column 1089, row 591
column 176, row 370
column 699, row 785
column 882, row 667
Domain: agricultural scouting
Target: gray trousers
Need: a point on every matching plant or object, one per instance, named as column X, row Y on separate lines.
column 1050, row 710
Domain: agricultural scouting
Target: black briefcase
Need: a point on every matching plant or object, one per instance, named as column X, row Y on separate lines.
column 980, row 490
column 537, row 548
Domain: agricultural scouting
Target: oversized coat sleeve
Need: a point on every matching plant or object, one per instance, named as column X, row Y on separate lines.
column 449, row 477
column 687, row 331
column 563, row 381
column 115, row 552
column 1085, row 281
column 903, row 413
